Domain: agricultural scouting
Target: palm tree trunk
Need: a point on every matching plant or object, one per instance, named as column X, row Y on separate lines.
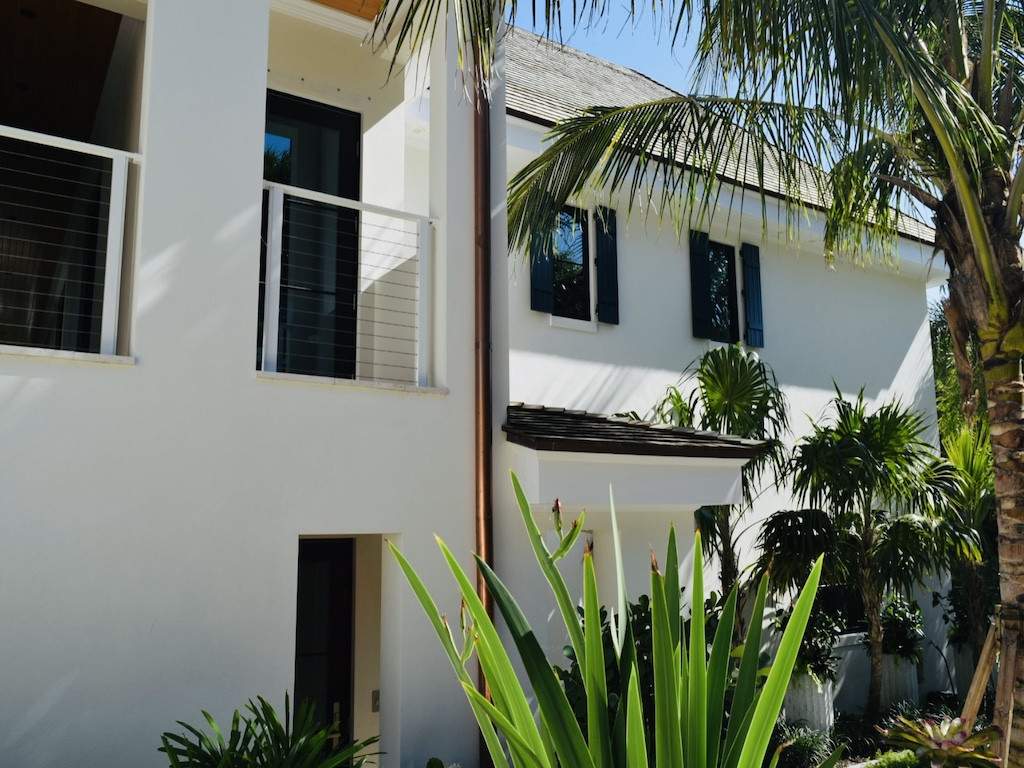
column 872, row 599
column 1005, row 387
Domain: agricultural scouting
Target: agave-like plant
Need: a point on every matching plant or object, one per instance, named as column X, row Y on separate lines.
column 944, row 743
column 691, row 724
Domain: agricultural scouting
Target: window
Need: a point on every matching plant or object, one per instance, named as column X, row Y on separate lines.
column 69, row 95
column 713, row 291
column 560, row 270
column 570, row 265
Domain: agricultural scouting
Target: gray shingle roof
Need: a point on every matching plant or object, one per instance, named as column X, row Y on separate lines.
column 558, row 429
column 547, row 82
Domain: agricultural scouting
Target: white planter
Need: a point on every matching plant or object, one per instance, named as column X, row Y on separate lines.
column 899, row 681
column 811, row 703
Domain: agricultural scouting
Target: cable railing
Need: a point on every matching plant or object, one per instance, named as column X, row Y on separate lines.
column 344, row 289
column 62, row 223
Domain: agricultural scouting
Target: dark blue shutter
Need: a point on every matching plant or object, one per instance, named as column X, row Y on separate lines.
column 542, row 279
column 700, row 299
column 754, row 318
column 607, row 268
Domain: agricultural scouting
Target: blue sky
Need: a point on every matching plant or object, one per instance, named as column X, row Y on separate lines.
column 638, row 44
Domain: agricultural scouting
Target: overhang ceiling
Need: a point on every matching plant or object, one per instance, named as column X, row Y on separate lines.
column 365, row 9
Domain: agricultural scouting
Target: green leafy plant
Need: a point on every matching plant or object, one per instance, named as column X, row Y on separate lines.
column 945, row 743
column 692, row 724
column 731, row 391
column 902, row 628
column 798, row 746
column 815, row 657
column 897, row 758
column 260, row 739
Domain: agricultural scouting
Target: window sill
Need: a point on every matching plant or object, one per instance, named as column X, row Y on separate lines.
column 363, row 384
column 571, row 324
column 63, row 355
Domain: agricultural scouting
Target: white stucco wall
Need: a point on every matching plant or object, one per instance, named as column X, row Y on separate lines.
column 151, row 512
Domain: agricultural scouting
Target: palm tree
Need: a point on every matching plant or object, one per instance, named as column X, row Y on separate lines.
column 969, row 452
column 905, row 104
column 731, row 391
column 875, row 495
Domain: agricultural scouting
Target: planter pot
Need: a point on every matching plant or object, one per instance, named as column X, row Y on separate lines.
column 811, row 703
column 899, row 681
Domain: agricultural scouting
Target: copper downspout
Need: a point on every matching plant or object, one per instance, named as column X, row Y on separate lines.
column 482, row 334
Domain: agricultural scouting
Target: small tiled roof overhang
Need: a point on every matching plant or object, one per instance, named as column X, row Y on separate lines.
column 558, row 429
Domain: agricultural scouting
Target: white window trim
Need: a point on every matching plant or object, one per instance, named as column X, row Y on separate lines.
column 572, row 323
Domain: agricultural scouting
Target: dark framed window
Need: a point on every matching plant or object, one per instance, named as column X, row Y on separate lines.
column 713, row 289
column 570, row 265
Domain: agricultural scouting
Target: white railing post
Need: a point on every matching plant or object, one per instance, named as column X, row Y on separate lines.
column 115, row 250
column 272, row 283
column 424, row 331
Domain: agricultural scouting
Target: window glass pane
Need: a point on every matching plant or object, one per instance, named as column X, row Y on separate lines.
column 570, row 261
column 721, row 292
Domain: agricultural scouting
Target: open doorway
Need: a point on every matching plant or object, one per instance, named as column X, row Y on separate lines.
column 324, row 630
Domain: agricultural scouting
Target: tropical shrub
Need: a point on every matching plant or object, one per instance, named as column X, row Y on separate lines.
column 902, row 628
column 260, row 739
column 731, row 391
column 798, row 746
column 691, row 721
column 815, row 657
column 877, row 506
column 901, row 758
column 946, row 743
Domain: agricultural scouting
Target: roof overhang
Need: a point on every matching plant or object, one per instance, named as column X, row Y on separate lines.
column 667, row 483
column 575, row 456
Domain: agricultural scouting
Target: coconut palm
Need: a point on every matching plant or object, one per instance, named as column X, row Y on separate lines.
column 731, row 391
column 876, row 497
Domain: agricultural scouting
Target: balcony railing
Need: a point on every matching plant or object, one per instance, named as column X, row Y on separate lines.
column 344, row 289
column 62, row 223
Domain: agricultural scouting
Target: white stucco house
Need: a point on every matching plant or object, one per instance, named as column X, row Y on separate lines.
column 237, row 353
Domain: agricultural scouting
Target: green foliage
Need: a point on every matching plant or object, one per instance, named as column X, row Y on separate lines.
column 731, row 391
column 946, row 743
column 902, row 628
column 815, row 657
column 799, row 746
column 260, row 739
column 692, row 721
column 951, row 401
column 903, row 758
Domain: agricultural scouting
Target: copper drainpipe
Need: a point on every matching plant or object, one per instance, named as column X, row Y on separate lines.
column 482, row 351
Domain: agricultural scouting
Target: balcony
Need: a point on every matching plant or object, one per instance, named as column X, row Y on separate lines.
column 344, row 289
column 62, row 223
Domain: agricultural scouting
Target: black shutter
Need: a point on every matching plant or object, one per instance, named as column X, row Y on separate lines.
column 700, row 298
column 542, row 278
column 607, row 268
column 753, row 316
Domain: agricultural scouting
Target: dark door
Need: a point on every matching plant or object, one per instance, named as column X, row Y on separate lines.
column 316, row 147
column 323, row 630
